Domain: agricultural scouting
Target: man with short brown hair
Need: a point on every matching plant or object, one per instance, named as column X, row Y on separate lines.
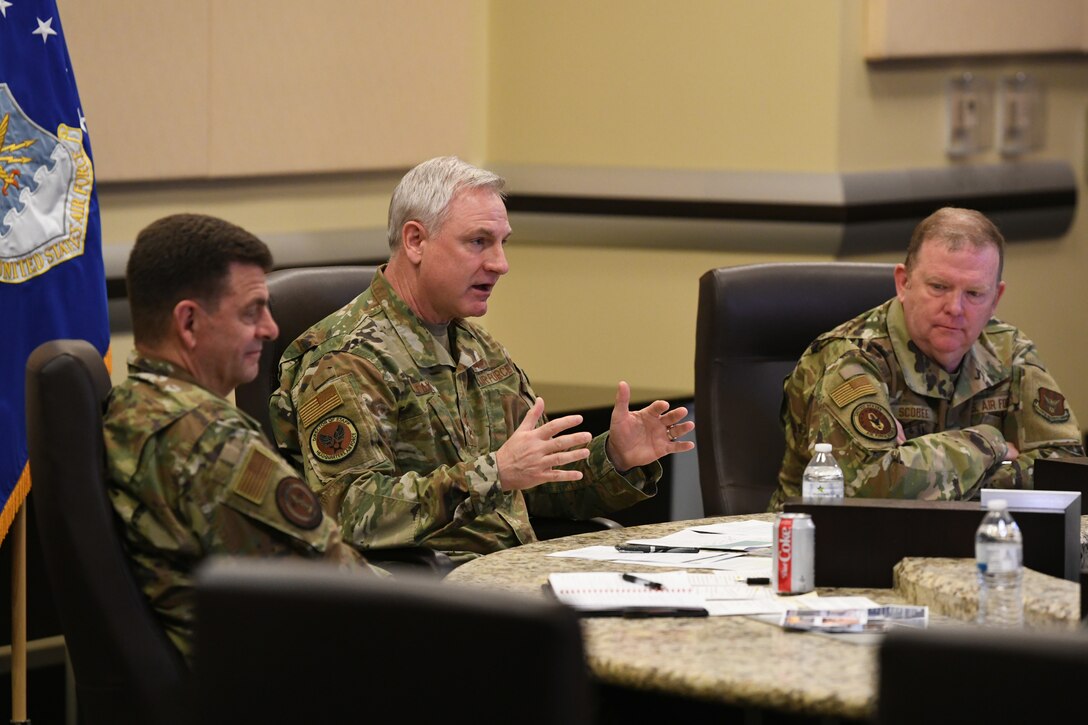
column 190, row 475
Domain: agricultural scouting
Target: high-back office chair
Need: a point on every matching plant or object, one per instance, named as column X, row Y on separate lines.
column 301, row 297
column 282, row 641
column 126, row 670
column 754, row 323
column 970, row 675
column 298, row 298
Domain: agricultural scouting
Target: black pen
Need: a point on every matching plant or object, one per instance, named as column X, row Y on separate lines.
column 756, row 580
column 655, row 549
column 644, row 582
column 640, row 612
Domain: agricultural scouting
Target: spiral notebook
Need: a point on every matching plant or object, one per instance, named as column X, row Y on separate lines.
column 608, row 594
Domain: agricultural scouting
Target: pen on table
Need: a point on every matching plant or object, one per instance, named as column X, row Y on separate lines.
column 644, row 582
column 655, row 549
column 753, row 580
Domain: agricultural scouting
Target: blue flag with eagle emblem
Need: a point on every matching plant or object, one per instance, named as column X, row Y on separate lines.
column 52, row 283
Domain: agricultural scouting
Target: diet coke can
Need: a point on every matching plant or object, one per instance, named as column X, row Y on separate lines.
column 794, row 546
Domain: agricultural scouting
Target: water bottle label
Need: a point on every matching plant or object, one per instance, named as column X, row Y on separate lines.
column 997, row 559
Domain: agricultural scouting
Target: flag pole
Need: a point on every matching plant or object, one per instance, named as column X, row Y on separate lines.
column 18, row 618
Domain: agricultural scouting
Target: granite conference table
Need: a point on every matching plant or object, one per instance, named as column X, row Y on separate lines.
column 740, row 662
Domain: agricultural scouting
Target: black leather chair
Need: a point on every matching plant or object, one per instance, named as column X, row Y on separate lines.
column 280, row 641
column 971, row 675
column 754, row 323
column 126, row 670
column 300, row 297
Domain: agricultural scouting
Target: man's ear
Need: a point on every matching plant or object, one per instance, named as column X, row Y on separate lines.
column 185, row 322
column 997, row 297
column 413, row 237
column 901, row 279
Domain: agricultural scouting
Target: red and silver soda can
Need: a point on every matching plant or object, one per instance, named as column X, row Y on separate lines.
column 794, row 554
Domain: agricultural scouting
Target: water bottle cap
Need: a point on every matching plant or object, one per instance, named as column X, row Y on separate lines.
column 997, row 504
column 823, row 447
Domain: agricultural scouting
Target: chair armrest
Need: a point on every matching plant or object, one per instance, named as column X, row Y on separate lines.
column 411, row 560
column 550, row 528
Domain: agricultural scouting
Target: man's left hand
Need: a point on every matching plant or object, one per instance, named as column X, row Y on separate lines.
column 642, row 436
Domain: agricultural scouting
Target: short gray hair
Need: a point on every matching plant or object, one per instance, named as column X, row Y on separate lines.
column 425, row 192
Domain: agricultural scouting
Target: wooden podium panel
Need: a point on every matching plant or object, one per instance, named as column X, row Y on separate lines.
column 859, row 541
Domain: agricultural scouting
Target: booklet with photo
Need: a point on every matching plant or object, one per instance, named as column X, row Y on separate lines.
column 874, row 619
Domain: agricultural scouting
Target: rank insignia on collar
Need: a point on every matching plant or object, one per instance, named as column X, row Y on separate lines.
column 1050, row 404
column 874, row 422
column 334, row 439
column 298, row 504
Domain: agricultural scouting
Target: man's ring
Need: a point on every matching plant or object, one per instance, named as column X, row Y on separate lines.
column 668, row 432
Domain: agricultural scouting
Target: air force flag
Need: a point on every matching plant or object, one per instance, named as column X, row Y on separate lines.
column 52, row 284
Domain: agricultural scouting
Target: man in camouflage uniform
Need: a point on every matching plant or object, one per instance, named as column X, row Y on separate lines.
column 190, row 474
column 414, row 424
column 927, row 396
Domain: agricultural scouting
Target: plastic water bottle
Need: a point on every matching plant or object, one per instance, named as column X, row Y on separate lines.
column 999, row 553
column 822, row 479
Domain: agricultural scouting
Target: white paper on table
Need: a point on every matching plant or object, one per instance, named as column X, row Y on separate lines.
column 746, row 534
column 737, row 563
column 723, row 595
column 830, row 604
column 602, row 591
column 740, row 565
column 745, row 607
column 664, row 558
column 748, row 528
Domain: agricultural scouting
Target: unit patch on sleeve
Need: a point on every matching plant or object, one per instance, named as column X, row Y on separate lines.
column 334, row 438
column 854, row 388
column 873, row 421
column 298, row 503
column 1050, row 404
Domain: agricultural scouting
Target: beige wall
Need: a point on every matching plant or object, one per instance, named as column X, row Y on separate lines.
column 778, row 85
column 699, row 84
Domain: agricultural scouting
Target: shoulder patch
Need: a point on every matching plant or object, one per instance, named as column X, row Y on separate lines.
column 298, row 504
column 251, row 483
column 873, row 421
column 325, row 401
column 851, row 390
column 1050, row 405
column 334, row 438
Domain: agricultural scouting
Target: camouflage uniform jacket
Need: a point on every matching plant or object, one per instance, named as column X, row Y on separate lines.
column 191, row 476
column 852, row 380
column 399, row 438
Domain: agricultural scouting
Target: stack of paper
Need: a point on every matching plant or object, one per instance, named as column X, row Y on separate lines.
column 741, row 547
